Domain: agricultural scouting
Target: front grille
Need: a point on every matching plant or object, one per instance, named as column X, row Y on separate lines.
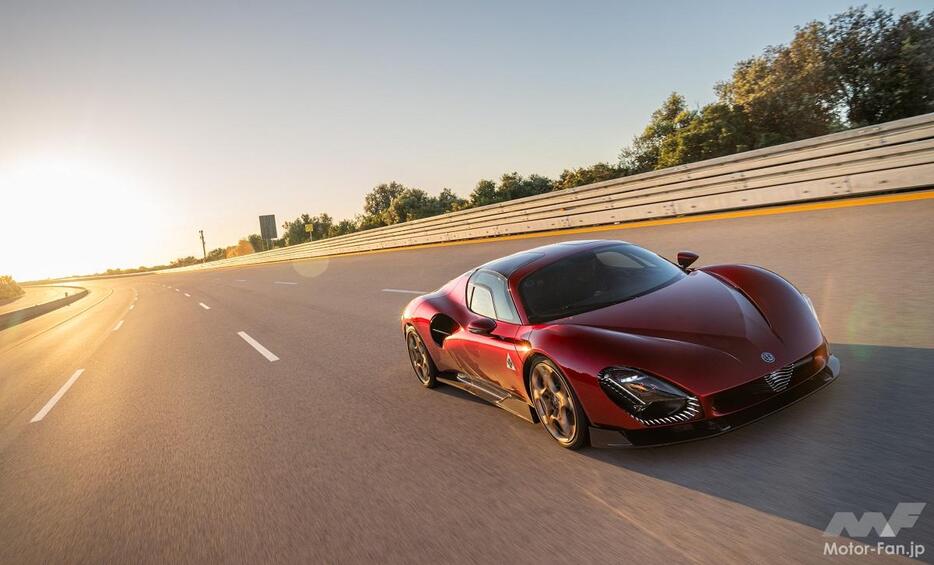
column 779, row 379
column 719, row 424
column 763, row 388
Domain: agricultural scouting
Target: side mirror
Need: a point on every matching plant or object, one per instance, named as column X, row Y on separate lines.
column 482, row 326
column 686, row 259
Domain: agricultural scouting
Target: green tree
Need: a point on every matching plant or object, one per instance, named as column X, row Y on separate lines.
column 787, row 93
column 256, row 240
column 377, row 202
column 215, row 254
column 449, row 202
column 295, row 230
column 717, row 130
column 393, row 203
column 367, row 222
column 321, row 226
column 184, row 261
column 588, row 175
column 411, row 204
column 343, row 227
column 642, row 155
column 9, row 288
column 882, row 66
column 511, row 186
column 485, row 193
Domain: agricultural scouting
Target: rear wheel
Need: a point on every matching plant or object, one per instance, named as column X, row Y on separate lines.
column 424, row 367
column 557, row 406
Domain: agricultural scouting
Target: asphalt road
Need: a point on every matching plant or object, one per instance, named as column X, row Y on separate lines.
column 181, row 441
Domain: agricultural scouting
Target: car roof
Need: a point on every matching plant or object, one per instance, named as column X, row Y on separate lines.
column 524, row 262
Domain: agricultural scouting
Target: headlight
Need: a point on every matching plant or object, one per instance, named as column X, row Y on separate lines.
column 811, row 306
column 641, row 395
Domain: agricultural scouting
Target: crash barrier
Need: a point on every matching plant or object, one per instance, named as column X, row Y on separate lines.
column 10, row 319
column 896, row 155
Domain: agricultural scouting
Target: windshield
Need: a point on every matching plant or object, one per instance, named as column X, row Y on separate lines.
column 593, row 279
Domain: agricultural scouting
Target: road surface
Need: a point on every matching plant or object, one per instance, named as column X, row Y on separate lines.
column 270, row 414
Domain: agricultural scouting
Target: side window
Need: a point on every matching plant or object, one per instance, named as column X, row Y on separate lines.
column 481, row 301
column 487, row 295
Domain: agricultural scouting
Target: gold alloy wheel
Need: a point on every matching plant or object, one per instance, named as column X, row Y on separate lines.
column 418, row 355
column 554, row 403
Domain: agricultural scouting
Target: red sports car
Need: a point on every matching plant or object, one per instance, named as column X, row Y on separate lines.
column 606, row 342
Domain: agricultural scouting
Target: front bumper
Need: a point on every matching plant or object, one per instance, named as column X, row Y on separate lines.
column 602, row 437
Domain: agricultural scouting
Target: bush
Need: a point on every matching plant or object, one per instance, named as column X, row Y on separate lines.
column 9, row 288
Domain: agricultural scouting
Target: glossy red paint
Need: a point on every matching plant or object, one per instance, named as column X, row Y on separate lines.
column 706, row 332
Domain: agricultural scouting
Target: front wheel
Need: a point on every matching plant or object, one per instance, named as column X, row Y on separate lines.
column 557, row 406
column 424, row 367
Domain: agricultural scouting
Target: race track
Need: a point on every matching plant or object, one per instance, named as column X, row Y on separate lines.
column 182, row 441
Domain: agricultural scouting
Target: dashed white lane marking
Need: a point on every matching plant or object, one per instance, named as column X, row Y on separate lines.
column 258, row 346
column 240, row 280
column 118, row 326
column 203, row 305
column 284, row 282
column 403, row 291
column 58, row 395
column 132, row 306
column 176, row 290
column 187, row 295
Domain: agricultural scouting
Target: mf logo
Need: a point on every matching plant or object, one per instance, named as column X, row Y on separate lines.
column 904, row 516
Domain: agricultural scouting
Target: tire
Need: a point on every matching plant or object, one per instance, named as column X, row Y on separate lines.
column 556, row 405
column 424, row 367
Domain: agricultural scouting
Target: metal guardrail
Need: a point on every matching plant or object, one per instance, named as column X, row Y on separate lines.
column 897, row 155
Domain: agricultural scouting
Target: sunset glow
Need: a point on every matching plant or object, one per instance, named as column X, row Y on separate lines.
column 71, row 214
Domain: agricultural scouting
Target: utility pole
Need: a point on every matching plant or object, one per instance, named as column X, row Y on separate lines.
column 204, row 249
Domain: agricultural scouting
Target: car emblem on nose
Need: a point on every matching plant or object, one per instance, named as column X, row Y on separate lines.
column 767, row 357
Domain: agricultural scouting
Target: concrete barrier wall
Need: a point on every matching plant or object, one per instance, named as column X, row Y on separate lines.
column 896, row 155
column 15, row 317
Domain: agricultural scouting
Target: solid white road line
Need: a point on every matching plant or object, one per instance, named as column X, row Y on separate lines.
column 118, row 326
column 187, row 295
column 58, row 395
column 403, row 291
column 258, row 346
column 284, row 282
column 203, row 305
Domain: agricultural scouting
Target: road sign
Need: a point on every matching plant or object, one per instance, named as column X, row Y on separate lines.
column 309, row 227
column 267, row 227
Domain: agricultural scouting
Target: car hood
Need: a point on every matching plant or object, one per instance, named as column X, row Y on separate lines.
column 699, row 331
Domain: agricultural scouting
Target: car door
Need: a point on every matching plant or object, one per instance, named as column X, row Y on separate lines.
column 492, row 356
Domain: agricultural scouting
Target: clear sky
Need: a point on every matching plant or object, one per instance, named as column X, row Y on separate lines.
column 126, row 127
